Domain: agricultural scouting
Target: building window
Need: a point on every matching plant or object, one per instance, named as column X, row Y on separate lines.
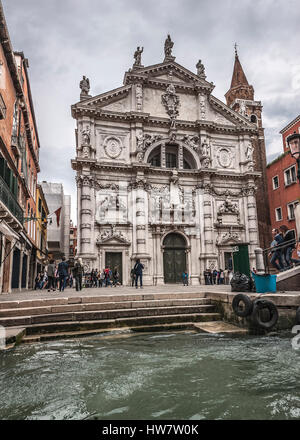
column 171, row 160
column 275, row 182
column 291, row 210
column 290, row 176
column 253, row 119
column 278, row 214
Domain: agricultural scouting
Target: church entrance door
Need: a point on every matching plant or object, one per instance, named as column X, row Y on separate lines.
column 112, row 260
column 174, row 258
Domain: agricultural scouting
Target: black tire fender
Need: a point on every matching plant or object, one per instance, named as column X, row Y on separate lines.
column 248, row 305
column 260, row 304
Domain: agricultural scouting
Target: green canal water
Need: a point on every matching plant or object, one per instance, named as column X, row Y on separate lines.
column 187, row 376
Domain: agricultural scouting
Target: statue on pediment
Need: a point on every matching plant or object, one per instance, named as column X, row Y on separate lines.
column 200, row 69
column 84, row 86
column 168, row 49
column 138, row 57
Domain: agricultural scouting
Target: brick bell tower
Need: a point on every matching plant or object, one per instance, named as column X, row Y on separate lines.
column 240, row 97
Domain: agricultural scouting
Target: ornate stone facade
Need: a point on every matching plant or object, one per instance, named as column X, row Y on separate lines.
column 168, row 174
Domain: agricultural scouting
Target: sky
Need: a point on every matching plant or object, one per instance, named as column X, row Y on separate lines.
column 66, row 39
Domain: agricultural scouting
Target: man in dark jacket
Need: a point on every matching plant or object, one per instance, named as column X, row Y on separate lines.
column 77, row 272
column 63, row 273
column 289, row 240
column 138, row 270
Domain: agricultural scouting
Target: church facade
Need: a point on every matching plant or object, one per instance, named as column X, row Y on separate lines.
column 166, row 173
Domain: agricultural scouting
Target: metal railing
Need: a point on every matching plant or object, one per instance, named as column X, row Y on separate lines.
column 10, row 201
column 282, row 248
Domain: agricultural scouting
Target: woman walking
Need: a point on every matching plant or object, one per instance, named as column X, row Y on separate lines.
column 51, row 276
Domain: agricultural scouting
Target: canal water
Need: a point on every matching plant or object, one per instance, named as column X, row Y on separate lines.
column 188, row 376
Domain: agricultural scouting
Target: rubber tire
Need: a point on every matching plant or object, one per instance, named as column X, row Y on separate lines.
column 248, row 305
column 298, row 316
column 261, row 304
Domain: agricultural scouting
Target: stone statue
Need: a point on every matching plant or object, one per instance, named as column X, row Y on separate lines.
column 200, row 69
column 138, row 56
column 249, row 152
column 86, row 135
column 171, row 103
column 205, row 149
column 168, row 49
column 84, row 86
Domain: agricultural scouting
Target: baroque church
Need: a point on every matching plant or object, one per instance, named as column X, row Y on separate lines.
column 168, row 173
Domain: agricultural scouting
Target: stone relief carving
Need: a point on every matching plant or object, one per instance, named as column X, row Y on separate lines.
column 224, row 157
column 144, row 141
column 138, row 57
column 227, row 236
column 84, row 86
column 205, row 149
column 192, row 141
column 82, row 180
column 113, row 147
column 202, row 106
column 110, row 234
column 230, row 210
column 171, row 103
column 139, row 97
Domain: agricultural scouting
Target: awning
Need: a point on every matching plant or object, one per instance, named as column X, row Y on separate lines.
column 7, row 231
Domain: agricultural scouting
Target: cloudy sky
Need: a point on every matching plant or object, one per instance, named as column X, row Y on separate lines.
column 65, row 39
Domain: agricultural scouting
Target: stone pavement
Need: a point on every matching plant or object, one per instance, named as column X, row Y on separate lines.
column 71, row 292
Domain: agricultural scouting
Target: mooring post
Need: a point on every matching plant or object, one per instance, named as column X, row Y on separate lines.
column 260, row 266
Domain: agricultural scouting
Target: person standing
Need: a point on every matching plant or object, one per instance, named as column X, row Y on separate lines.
column 78, row 272
column 226, row 271
column 221, row 276
column 185, row 278
column 63, row 273
column 116, row 276
column 132, row 276
column 215, row 273
column 51, row 276
column 277, row 254
column 138, row 270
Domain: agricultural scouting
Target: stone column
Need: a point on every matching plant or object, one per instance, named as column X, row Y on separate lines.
column 140, row 221
column 86, row 215
column 193, row 261
column 159, row 259
column 180, row 157
column 163, row 156
column 252, row 222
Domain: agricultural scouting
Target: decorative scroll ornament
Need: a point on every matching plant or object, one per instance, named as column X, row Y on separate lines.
column 112, row 147
column 202, row 106
column 171, row 103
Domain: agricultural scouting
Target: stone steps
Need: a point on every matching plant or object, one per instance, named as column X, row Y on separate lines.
column 145, row 322
column 45, row 310
column 104, row 314
column 110, row 332
column 58, row 300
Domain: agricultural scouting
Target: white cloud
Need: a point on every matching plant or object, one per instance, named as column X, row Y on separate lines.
column 65, row 39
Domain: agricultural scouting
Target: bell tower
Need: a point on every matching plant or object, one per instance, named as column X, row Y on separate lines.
column 240, row 97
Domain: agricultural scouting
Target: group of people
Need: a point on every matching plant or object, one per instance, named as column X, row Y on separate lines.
column 282, row 248
column 106, row 277
column 217, row 276
column 55, row 277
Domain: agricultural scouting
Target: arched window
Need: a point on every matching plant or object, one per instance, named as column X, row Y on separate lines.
column 253, row 119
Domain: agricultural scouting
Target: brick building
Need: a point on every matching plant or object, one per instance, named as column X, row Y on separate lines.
column 240, row 97
column 284, row 189
column 19, row 165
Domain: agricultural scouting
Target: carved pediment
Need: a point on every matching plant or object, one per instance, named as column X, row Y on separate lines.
column 112, row 238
